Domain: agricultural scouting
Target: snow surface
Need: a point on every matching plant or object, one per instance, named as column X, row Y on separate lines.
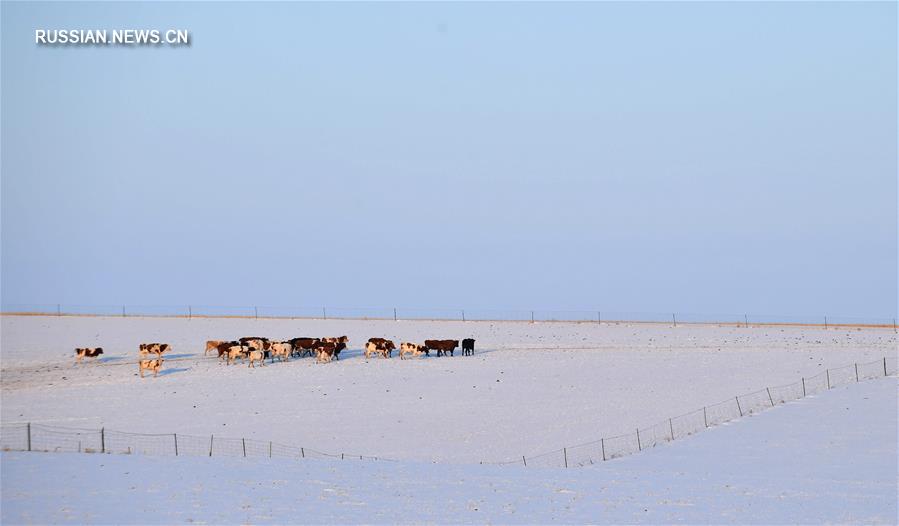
column 824, row 459
column 529, row 388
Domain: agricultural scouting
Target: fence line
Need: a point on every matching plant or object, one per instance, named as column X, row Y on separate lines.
column 677, row 427
column 459, row 314
column 50, row 438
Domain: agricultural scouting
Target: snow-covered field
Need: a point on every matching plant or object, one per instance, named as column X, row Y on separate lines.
column 529, row 388
column 830, row 458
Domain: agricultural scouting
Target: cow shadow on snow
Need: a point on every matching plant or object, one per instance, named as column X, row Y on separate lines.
column 173, row 356
column 176, row 370
column 108, row 359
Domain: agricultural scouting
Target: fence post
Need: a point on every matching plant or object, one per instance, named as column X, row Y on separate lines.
column 243, row 441
column 29, row 436
column 324, row 314
column 302, row 453
column 602, row 444
column 769, row 396
column 671, row 427
column 803, row 387
column 190, row 312
column 599, row 317
column 565, row 454
column 341, row 456
column 532, row 316
column 856, row 372
column 639, row 445
column 123, row 311
column 828, row 378
column 59, row 312
column 255, row 312
column 176, row 443
column 885, row 366
column 674, row 319
column 746, row 320
column 211, row 437
column 394, row 314
column 269, row 450
column 102, row 440
column 737, row 398
column 705, row 416
column 894, row 325
column 463, row 314
column 523, row 461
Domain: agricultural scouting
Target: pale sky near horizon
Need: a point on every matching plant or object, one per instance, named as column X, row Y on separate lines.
column 639, row 157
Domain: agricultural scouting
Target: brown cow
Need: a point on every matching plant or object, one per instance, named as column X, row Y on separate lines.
column 303, row 346
column 442, row 346
column 222, row 349
column 325, row 351
column 379, row 346
column 212, row 344
column 87, row 352
column 411, row 348
column 146, row 349
column 151, row 365
column 384, row 343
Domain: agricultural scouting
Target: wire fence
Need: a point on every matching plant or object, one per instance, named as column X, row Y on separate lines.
column 49, row 438
column 460, row 314
column 674, row 428
column 56, row 439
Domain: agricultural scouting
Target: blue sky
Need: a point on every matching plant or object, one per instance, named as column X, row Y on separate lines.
column 651, row 157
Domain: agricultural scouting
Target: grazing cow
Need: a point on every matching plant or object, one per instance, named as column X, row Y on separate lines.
column 468, row 347
column 256, row 356
column 237, row 352
column 442, row 346
column 212, row 344
column 411, row 348
column 282, row 350
column 87, row 352
column 304, row 346
column 151, row 365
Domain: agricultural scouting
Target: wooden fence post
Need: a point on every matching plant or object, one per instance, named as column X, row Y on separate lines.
column 856, row 372
column 324, row 314
column 532, row 316
column 803, row 387
column 29, row 436
column 639, row 445
column 737, row 398
column 769, row 396
column 394, row 314
column 463, row 314
column 671, row 426
column 705, row 416
column 602, row 443
column 244, row 442
column 190, row 312
column 746, row 320
column 255, row 312
column 211, row 437
column 828, row 378
column 269, row 450
column 123, row 311
column 674, row 319
column 523, row 461
column 565, row 454
column 176, row 443
column 885, row 366
column 302, row 453
column 102, row 440
column 825, row 322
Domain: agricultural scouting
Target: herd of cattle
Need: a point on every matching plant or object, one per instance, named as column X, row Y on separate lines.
column 254, row 349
